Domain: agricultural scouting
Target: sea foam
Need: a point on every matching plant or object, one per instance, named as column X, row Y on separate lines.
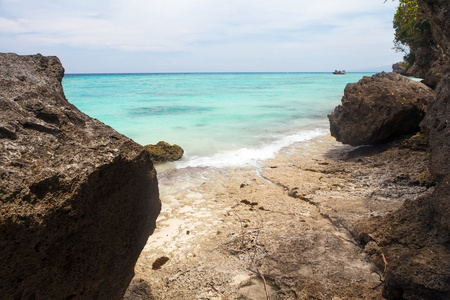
column 253, row 156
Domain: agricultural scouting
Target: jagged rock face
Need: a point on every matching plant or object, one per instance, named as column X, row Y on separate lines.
column 414, row 248
column 415, row 239
column 436, row 123
column 431, row 61
column 438, row 12
column 379, row 107
column 424, row 58
column 78, row 199
column 430, row 65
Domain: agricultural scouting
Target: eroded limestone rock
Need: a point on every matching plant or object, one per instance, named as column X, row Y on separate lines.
column 78, row 199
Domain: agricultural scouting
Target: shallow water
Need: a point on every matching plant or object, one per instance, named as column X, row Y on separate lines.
column 220, row 120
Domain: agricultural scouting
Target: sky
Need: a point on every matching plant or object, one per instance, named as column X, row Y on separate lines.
column 151, row 36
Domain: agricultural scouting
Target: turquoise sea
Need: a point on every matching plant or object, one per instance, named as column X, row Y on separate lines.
column 219, row 119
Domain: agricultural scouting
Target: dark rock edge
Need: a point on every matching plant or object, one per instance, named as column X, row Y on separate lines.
column 78, row 199
column 414, row 241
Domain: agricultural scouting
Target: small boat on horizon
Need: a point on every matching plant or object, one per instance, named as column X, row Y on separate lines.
column 336, row 72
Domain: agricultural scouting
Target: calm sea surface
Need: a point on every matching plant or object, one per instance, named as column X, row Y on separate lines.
column 220, row 120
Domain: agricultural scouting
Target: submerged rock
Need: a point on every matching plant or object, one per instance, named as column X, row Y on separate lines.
column 78, row 199
column 378, row 108
column 163, row 151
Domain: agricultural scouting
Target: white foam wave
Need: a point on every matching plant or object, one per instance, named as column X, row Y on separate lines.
column 249, row 156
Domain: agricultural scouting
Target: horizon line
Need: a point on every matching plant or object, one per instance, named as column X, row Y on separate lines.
column 187, row 73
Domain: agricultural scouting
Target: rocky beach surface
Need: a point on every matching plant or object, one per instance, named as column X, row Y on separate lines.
column 321, row 220
column 284, row 230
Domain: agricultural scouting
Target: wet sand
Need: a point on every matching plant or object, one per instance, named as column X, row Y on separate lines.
column 279, row 231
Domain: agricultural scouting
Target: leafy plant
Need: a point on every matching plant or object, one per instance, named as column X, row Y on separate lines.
column 412, row 29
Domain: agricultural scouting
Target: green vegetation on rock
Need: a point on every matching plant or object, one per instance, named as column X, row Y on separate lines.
column 412, row 30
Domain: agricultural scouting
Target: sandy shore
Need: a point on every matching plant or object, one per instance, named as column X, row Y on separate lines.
column 279, row 231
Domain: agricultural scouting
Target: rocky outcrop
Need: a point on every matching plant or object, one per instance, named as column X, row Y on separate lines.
column 78, row 199
column 378, row 108
column 438, row 13
column 436, row 125
column 399, row 68
column 428, row 58
column 414, row 248
column 430, row 64
column 163, row 151
column 415, row 239
column 436, row 122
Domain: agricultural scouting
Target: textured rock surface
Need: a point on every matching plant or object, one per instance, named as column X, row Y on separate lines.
column 78, row 200
column 425, row 56
column 430, row 61
column 438, row 12
column 399, row 68
column 289, row 221
column 436, row 124
column 163, row 151
column 379, row 107
column 414, row 246
column 429, row 65
column 415, row 239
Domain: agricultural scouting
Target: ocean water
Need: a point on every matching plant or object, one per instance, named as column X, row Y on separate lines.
column 220, row 120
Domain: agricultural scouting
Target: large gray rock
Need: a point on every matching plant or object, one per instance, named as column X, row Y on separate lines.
column 78, row 199
column 379, row 107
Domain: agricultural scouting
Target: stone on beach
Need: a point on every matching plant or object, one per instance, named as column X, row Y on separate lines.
column 163, row 151
column 78, row 199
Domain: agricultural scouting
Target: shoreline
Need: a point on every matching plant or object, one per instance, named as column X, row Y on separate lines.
column 247, row 155
column 289, row 220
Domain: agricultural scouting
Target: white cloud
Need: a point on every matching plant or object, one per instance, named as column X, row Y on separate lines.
column 196, row 26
